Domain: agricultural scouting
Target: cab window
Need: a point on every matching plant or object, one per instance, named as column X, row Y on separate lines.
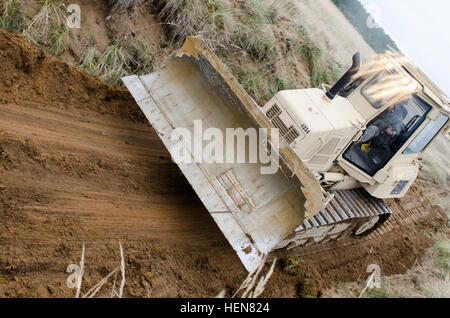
column 426, row 135
column 386, row 134
column 381, row 89
column 350, row 88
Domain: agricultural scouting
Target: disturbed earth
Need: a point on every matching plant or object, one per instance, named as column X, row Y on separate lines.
column 79, row 164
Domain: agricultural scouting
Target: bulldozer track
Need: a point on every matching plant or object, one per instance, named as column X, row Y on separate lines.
column 405, row 213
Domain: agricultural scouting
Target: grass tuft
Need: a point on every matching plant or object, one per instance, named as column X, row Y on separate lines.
column 437, row 163
column 114, row 63
column 306, row 290
column 320, row 71
column 293, row 264
column 124, row 4
column 58, row 43
column 12, row 18
column 443, row 258
column 378, row 293
column 47, row 28
column 121, row 58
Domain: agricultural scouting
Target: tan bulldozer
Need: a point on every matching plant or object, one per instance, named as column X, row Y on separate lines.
column 326, row 157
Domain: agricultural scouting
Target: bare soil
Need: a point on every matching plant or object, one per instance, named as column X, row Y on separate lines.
column 79, row 164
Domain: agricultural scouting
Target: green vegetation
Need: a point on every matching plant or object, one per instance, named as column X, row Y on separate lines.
column 292, row 265
column 262, row 42
column 306, row 290
column 443, row 258
column 11, row 16
column 312, row 55
column 377, row 293
column 124, row 4
column 58, row 43
column 122, row 58
column 358, row 16
column 246, row 26
column 47, row 29
column 259, row 83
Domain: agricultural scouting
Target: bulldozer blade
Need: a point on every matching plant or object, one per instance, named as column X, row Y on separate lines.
column 254, row 211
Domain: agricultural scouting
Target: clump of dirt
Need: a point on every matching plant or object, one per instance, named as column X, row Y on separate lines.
column 79, row 164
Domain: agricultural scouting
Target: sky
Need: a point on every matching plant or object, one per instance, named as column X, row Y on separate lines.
column 421, row 29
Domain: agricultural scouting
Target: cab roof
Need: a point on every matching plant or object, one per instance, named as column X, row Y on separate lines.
column 430, row 88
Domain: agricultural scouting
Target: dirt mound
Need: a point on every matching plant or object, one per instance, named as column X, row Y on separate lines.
column 30, row 75
column 79, row 163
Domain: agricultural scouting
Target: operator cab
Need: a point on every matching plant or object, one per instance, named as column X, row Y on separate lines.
column 402, row 120
column 388, row 132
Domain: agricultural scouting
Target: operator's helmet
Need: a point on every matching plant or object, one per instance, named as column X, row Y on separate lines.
column 398, row 115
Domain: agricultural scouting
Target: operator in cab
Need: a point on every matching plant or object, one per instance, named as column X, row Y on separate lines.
column 378, row 138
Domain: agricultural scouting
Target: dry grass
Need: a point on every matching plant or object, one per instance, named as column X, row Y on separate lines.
column 244, row 24
column 378, row 293
column 436, row 161
column 427, row 280
column 442, row 249
column 97, row 287
column 262, row 42
column 12, row 18
column 436, row 169
column 255, row 283
column 125, row 4
column 120, row 59
column 313, row 57
column 47, row 29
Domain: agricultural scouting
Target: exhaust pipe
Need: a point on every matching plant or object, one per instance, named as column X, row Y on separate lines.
column 345, row 79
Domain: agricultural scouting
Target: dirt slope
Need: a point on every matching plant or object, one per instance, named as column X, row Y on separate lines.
column 79, row 163
column 332, row 31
